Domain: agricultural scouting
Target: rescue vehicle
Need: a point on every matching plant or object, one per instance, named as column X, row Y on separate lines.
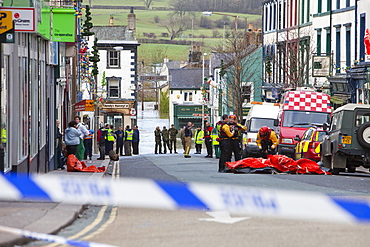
column 260, row 114
column 298, row 111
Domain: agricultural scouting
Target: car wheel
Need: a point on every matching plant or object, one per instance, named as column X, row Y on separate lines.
column 363, row 135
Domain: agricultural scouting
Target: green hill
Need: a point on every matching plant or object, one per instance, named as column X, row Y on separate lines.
column 208, row 30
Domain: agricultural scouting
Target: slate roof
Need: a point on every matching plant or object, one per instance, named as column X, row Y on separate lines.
column 109, row 32
column 187, row 78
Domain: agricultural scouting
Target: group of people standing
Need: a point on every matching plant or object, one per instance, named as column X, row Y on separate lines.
column 224, row 139
column 167, row 137
column 126, row 140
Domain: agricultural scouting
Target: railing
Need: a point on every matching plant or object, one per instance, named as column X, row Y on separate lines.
column 61, row 2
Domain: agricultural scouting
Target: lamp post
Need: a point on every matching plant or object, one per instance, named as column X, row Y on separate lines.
column 204, row 54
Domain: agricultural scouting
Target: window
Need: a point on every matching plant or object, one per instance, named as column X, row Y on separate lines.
column 362, row 117
column 318, row 48
column 188, row 96
column 336, row 121
column 338, row 4
column 337, row 50
column 328, row 5
column 348, row 48
column 113, row 59
column 319, row 6
column 113, row 88
column 328, row 42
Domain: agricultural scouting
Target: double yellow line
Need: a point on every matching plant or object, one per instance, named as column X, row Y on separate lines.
column 99, row 218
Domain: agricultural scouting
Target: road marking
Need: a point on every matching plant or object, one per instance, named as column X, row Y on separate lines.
column 223, row 217
column 98, row 219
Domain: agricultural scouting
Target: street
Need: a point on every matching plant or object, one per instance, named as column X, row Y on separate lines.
column 149, row 227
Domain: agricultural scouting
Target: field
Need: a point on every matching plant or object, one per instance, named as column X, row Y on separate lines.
column 149, row 21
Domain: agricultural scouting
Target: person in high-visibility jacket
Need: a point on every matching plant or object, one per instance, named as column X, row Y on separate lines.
column 110, row 138
column 128, row 140
column 215, row 142
column 198, row 139
column 88, row 144
column 267, row 140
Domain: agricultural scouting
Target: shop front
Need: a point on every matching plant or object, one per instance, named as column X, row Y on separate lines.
column 189, row 113
column 118, row 113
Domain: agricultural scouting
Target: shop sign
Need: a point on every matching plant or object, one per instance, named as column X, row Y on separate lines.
column 64, row 25
column 24, row 19
column 191, row 110
column 116, row 106
column 6, row 21
column 85, row 105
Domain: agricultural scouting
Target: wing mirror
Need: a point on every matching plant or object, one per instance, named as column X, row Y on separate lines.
column 297, row 138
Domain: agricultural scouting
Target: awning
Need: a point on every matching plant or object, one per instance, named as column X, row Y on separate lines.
column 85, row 105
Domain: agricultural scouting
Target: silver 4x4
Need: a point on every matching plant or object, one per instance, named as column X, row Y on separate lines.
column 347, row 143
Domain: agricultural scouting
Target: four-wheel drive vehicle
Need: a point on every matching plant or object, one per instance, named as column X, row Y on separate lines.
column 347, row 143
column 299, row 111
column 260, row 114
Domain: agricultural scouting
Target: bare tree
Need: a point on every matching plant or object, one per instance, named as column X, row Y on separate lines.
column 176, row 24
column 147, row 3
column 238, row 50
column 290, row 64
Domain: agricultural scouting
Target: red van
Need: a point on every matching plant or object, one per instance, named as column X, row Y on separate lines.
column 298, row 111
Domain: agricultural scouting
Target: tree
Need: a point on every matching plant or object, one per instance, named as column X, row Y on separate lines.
column 147, row 3
column 237, row 69
column 87, row 25
column 95, row 58
column 176, row 24
column 291, row 61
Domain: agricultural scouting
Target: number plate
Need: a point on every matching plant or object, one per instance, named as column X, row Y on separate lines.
column 346, row 139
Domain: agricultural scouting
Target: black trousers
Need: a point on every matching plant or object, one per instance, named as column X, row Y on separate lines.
column 135, row 147
column 102, row 149
column 166, row 144
column 158, row 144
column 119, row 148
column 71, row 149
column 198, row 148
column 235, row 148
column 173, row 144
column 208, row 141
column 225, row 154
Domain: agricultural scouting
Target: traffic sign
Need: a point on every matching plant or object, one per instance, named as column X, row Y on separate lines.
column 6, row 21
column 133, row 112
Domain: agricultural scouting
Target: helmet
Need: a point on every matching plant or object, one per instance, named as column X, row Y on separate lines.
column 232, row 116
column 264, row 130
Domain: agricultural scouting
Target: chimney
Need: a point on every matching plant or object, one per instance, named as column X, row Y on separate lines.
column 111, row 21
column 131, row 18
column 250, row 27
column 166, row 60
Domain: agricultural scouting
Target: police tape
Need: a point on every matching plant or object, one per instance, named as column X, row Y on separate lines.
column 176, row 195
column 51, row 238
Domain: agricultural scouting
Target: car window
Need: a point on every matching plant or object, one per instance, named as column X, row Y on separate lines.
column 307, row 135
column 362, row 117
column 257, row 123
column 319, row 136
column 336, row 121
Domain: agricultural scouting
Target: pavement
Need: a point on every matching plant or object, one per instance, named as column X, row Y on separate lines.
column 43, row 217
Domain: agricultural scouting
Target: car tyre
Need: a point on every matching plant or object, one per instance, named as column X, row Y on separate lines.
column 363, row 135
column 335, row 171
column 351, row 169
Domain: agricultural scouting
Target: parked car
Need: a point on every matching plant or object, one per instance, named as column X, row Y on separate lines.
column 347, row 143
column 308, row 146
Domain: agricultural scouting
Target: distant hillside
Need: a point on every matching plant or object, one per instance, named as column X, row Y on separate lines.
column 234, row 6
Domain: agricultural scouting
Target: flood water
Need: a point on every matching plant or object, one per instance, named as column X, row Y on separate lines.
column 147, row 120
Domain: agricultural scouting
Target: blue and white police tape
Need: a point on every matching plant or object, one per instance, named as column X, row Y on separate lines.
column 175, row 195
column 51, row 238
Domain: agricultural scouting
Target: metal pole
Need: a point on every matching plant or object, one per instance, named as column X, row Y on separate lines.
column 202, row 94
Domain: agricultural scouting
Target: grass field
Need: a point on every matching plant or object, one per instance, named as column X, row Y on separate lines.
column 145, row 23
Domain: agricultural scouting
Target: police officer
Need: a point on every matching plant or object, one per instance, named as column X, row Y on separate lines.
column 198, row 139
column 158, row 140
column 128, row 140
column 173, row 133
column 267, row 140
column 235, row 129
column 215, row 142
column 109, row 139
